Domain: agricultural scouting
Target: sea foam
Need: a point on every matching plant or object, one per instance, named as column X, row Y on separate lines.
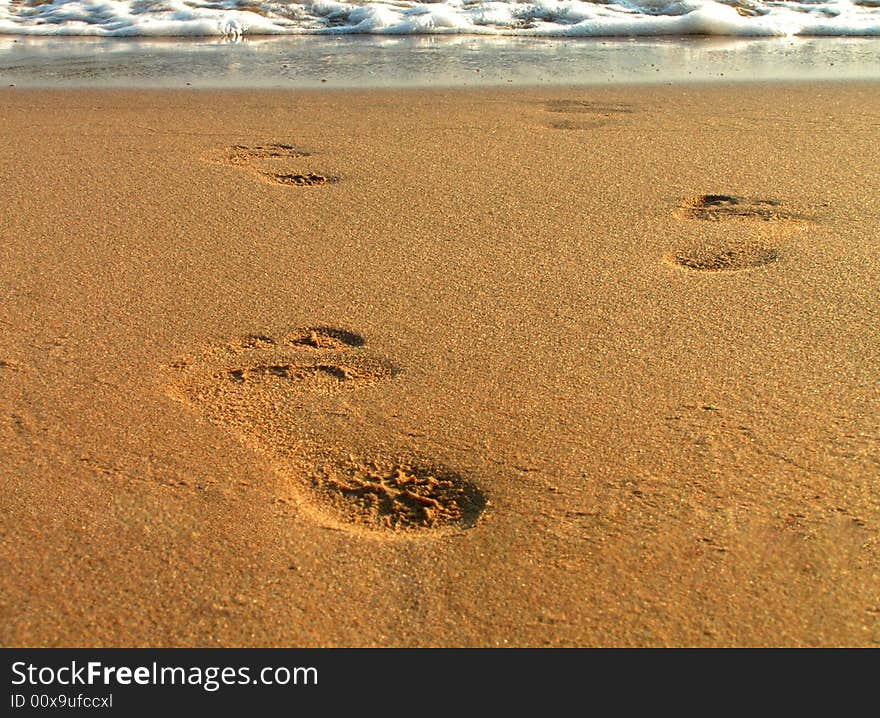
column 531, row 18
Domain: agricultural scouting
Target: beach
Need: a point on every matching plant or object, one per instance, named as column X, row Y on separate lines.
column 562, row 366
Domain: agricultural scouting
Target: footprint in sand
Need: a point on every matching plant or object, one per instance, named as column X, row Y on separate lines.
column 729, row 253
column 584, row 114
column 728, row 257
column 243, row 154
column 308, row 179
column 275, row 163
column 718, row 207
column 259, row 388
column 588, row 107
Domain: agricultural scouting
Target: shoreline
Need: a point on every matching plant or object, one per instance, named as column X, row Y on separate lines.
column 613, row 352
column 428, row 61
column 533, row 89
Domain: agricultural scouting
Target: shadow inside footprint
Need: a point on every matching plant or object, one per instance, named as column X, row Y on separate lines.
column 308, row 179
column 325, row 338
column 715, row 207
column 399, row 496
column 314, row 376
column 311, row 337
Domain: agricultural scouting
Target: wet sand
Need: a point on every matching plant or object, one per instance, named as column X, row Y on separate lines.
column 448, row 368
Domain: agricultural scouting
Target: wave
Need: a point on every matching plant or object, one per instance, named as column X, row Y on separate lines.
column 531, row 18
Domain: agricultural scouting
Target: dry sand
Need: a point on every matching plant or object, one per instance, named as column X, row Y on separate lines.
column 568, row 367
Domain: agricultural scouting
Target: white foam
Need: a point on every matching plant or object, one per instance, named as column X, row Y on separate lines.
column 535, row 18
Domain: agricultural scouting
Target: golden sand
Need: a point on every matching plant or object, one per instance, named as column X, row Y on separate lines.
column 538, row 367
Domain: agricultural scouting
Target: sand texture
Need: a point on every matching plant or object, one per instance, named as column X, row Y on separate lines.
column 447, row 368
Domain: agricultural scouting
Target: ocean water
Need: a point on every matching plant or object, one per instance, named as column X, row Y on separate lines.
column 360, row 61
column 326, row 43
column 529, row 18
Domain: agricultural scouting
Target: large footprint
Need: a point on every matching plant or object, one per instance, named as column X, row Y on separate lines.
column 764, row 219
column 258, row 387
column 585, row 114
column 718, row 207
column 274, row 162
